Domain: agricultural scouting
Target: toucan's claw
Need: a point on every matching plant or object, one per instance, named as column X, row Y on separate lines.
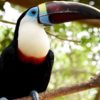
column 35, row 95
column 3, row 98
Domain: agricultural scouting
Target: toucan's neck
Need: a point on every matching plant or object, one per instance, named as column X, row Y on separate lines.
column 33, row 42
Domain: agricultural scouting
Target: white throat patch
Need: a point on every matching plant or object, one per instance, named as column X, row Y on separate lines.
column 32, row 39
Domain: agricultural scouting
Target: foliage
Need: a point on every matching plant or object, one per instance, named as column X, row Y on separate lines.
column 77, row 56
column 6, row 36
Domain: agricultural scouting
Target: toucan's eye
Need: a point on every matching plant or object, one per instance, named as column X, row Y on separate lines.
column 33, row 12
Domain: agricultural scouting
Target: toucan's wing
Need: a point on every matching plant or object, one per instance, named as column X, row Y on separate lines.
column 0, row 64
column 48, row 68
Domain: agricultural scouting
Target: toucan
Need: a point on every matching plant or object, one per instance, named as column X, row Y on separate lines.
column 26, row 64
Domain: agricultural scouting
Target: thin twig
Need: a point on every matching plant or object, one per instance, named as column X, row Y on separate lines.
column 64, row 39
column 74, row 71
column 7, row 22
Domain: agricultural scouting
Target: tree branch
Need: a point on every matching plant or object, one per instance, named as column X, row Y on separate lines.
column 92, row 83
column 74, row 71
column 97, row 96
column 60, row 38
column 7, row 22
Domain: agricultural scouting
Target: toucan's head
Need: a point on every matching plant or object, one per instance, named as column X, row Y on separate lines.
column 33, row 42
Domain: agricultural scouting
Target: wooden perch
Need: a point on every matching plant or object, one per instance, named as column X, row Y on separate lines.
column 48, row 95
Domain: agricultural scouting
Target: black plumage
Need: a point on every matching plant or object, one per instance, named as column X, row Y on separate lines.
column 17, row 78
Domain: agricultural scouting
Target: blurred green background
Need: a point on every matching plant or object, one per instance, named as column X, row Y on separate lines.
column 76, row 46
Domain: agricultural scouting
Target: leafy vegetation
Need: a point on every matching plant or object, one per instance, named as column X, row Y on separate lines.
column 77, row 57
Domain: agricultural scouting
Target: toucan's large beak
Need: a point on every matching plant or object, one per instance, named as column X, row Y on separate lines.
column 62, row 11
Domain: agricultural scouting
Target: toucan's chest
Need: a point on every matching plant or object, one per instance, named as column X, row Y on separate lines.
column 33, row 42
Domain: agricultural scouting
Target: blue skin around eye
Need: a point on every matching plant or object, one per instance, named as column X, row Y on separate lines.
column 30, row 14
column 33, row 16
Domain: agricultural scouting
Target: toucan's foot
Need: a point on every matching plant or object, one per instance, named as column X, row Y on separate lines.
column 3, row 98
column 35, row 95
